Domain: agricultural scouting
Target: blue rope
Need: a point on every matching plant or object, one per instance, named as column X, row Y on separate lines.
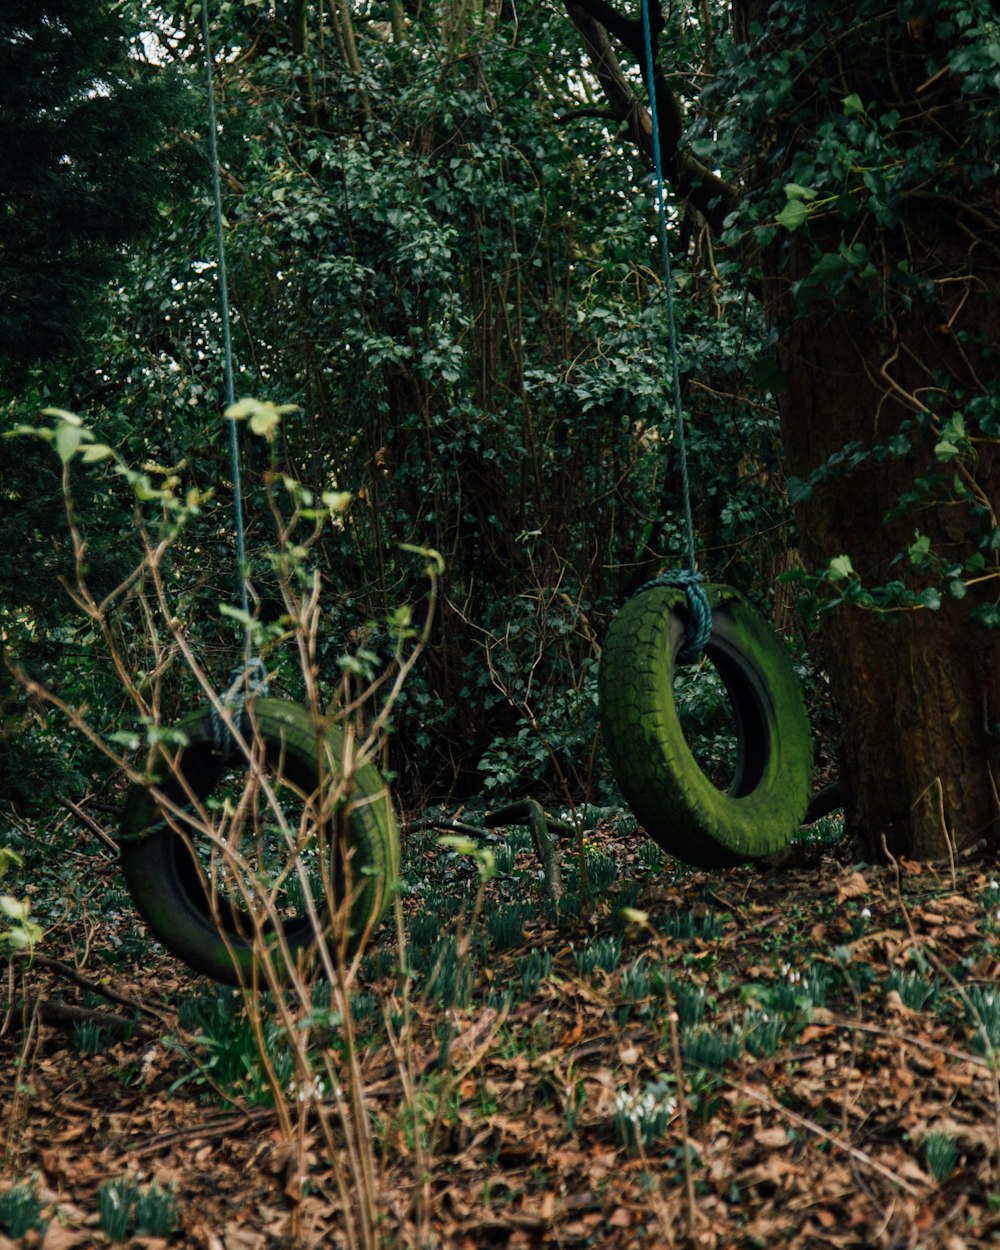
column 690, row 579
column 227, row 336
column 250, row 677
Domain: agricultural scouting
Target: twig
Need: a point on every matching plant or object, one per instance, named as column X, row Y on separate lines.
column 804, row 1122
column 95, row 987
column 92, row 825
column 202, row 1132
column 446, row 826
column 68, row 1015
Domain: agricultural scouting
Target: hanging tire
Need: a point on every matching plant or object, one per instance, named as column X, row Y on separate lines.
column 673, row 799
column 168, row 868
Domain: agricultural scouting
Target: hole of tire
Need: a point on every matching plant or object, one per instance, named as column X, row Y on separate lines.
column 706, row 718
column 270, row 841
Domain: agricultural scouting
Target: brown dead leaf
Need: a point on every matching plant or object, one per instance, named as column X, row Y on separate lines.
column 59, row 1238
column 855, row 886
column 620, row 1218
column 238, row 1237
column 771, row 1138
column 575, row 1034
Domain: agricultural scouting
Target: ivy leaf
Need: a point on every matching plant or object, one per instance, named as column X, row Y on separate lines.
column 920, row 548
column 853, row 106
column 841, row 568
column 930, row 598
column 987, row 614
column 793, row 215
column 798, row 491
column 946, row 450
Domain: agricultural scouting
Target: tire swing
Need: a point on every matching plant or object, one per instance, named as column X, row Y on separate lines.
column 673, row 799
column 670, row 622
column 168, row 862
column 306, row 844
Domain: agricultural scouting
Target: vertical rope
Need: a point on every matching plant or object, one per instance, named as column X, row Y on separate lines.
column 700, row 626
column 227, row 337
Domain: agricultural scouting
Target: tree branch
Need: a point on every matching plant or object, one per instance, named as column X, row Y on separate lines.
column 703, row 189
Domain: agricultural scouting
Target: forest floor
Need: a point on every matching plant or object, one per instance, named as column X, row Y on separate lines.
column 800, row 1056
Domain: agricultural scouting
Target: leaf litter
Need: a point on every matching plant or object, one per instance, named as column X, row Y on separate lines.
column 771, row 1058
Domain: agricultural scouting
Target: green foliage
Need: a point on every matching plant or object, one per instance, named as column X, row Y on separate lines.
column 20, row 932
column 466, row 322
column 708, row 1049
column 916, row 991
column 20, row 1211
column 691, row 924
column 150, row 1210
column 642, row 1119
column 85, row 142
column 941, row 1155
column 848, row 208
column 239, row 1058
column 505, row 925
column 602, row 953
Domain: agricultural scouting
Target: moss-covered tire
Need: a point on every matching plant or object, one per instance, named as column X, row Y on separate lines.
column 672, row 798
column 210, row 932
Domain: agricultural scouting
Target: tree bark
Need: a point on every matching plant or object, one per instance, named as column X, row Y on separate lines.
column 917, row 694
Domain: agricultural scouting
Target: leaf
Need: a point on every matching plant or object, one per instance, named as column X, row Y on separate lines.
column 796, row 192
column 69, row 417
column 853, row 106
column 96, row 451
column 68, row 438
column 854, row 886
column 798, row 491
column 929, row 598
column 793, row 215
column 841, row 568
column 945, row 450
column 919, row 548
column 14, row 908
column 336, row 500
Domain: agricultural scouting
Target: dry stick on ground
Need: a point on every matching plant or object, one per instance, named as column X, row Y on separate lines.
column 69, row 1015
column 526, row 812
column 811, row 1126
column 92, row 825
column 95, row 987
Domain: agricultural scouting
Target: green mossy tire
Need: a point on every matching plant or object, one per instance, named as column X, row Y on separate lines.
column 167, row 885
column 674, row 801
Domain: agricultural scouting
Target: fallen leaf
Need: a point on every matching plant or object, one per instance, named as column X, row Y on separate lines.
column 855, row 886
column 59, row 1238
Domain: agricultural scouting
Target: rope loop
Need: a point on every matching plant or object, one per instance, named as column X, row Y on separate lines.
column 699, row 626
column 246, row 681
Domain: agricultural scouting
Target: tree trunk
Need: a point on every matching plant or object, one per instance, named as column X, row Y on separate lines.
column 917, row 692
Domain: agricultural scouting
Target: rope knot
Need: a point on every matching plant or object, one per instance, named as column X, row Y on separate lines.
column 245, row 681
column 699, row 628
